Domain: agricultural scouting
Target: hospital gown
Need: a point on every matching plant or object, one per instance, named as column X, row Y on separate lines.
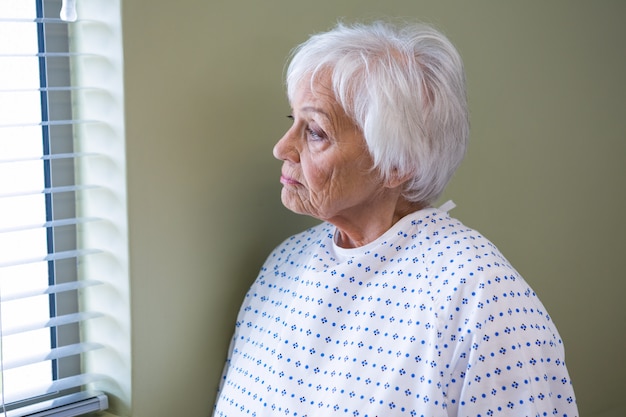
column 427, row 320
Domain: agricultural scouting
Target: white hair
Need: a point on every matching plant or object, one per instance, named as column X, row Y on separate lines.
column 404, row 87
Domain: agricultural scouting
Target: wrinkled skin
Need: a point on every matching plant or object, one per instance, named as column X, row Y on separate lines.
column 327, row 170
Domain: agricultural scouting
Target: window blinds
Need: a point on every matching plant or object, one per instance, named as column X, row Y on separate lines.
column 46, row 189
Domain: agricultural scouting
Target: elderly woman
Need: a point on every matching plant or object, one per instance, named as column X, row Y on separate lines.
column 389, row 307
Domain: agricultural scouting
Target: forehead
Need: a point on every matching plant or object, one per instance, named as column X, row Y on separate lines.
column 315, row 95
column 316, row 89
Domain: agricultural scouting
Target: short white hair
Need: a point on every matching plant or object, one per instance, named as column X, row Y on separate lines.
column 404, row 87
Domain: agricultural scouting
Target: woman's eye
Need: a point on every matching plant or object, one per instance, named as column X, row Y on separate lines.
column 315, row 134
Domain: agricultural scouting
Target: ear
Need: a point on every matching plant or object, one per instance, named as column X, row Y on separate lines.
column 397, row 179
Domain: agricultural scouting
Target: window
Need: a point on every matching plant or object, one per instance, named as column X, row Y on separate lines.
column 53, row 262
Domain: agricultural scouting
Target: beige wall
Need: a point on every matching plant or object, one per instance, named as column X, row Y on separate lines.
column 543, row 178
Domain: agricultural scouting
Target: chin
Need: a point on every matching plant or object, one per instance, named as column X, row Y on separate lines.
column 291, row 205
column 295, row 207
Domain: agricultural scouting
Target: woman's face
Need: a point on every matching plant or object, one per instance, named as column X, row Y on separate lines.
column 327, row 168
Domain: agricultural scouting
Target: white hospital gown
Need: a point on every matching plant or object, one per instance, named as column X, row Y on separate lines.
column 428, row 320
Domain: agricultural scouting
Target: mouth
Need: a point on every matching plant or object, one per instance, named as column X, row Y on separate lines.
column 285, row 180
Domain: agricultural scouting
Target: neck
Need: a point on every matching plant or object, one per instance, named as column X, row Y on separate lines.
column 361, row 231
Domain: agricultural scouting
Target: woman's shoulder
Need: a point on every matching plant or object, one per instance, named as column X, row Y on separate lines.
column 470, row 274
column 436, row 231
column 302, row 242
column 462, row 259
column 314, row 235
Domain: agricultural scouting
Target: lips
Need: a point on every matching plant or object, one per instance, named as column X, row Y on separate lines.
column 287, row 180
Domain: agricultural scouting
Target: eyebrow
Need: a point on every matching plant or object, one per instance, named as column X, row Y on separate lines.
column 311, row 109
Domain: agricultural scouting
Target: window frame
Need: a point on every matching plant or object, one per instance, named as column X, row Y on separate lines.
column 86, row 220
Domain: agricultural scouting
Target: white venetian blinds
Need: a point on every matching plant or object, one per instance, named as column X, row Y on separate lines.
column 62, row 203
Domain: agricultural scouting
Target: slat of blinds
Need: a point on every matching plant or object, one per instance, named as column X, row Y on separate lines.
column 35, row 20
column 47, row 157
column 48, row 89
column 49, row 123
column 51, row 190
column 52, row 289
column 45, row 55
column 58, row 353
column 51, row 257
column 58, row 385
column 55, row 321
column 53, row 223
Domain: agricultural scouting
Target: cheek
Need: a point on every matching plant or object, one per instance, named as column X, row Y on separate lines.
column 317, row 176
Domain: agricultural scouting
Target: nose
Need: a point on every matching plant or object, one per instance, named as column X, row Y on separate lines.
column 285, row 149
